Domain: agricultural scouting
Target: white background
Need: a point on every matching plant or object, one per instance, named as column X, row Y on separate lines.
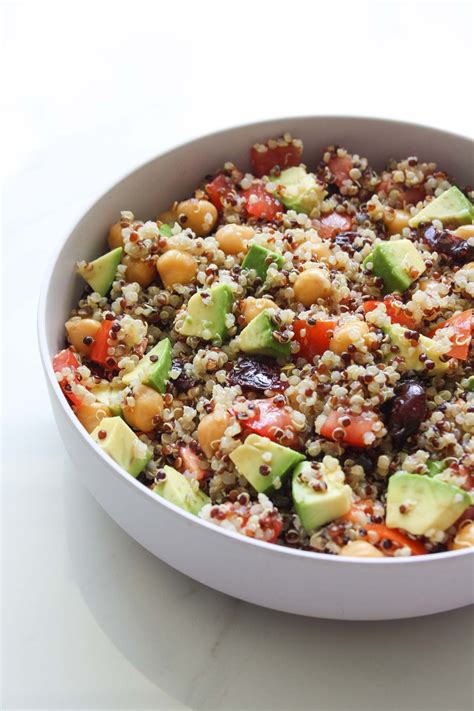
column 90, row 90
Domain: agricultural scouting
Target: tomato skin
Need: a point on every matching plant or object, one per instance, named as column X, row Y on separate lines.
column 219, row 189
column 384, row 532
column 333, row 223
column 407, row 195
column 316, row 338
column 67, row 359
column 354, row 432
column 263, row 206
column 281, row 156
column 98, row 352
column 268, row 418
column 396, row 315
column 191, row 462
column 340, row 166
column 462, row 325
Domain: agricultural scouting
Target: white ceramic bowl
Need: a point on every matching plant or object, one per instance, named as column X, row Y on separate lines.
column 273, row 576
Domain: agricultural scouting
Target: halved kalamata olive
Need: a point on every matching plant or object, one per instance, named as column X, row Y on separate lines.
column 453, row 249
column 183, row 382
column 407, row 410
column 256, row 374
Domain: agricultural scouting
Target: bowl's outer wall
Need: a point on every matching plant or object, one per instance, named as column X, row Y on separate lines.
column 265, row 575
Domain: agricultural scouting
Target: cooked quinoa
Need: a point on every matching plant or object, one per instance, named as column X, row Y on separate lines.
column 352, row 400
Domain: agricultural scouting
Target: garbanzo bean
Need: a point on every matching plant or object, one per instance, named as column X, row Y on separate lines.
column 90, row 415
column 320, row 249
column 148, row 405
column 143, row 271
column 311, row 285
column 464, row 538
column 251, row 307
column 396, row 220
column 199, row 215
column 211, row 430
column 168, row 217
column 80, row 329
column 346, row 334
column 115, row 238
column 232, row 238
column 361, row 549
column 464, row 232
column 175, row 267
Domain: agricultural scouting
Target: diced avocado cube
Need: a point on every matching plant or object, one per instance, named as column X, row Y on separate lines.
column 397, row 262
column 426, row 504
column 411, row 353
column 100, row 273
column 110, row 396
column 260, row 258
column 451, row 208
column 206, row 313
column 470, row 384
column 262, row 461
column 166, row 230
column 319, row 493
column 434, row 467
column 121, row 443
column 178, row 490
column 257, row 338
column 154, row 368
column 298, row 190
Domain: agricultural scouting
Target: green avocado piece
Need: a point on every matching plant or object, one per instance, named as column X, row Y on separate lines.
column 316, row 508
column 434, row 467
column 257, row 338
column 258, row 452
column 206, row 313
column 166, row 230
column 425, row 346
column 429, row 503
column 397, row 262
column 154, row 368
column 451, row 208
column 178, row 490
column 100, row 273
column 298, row 190
column 122, row 444
column 470, row 384
column 260, row 258
column 110, row 396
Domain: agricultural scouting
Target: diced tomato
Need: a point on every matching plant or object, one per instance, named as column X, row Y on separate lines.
column 462, row 325
column 283, row 156
column 98, row 352
column 269, row 420
column 359, row 425
column 67, row 359
column 333, row 223
column 396, row 314
column 313, row 339
column 272, row 522
column 397, row 538
column 261, row 204
column 219, row 189
column 340, row 166
column 191, row 462
column 408, row 196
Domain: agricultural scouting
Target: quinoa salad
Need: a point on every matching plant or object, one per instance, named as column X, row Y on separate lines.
column 287, row 353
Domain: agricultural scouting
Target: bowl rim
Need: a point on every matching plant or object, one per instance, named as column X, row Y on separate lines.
column 130, row 481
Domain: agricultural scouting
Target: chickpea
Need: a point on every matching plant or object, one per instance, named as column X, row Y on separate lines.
column 251, row 307
column 311, row 285
column 90, row 415
column 148, row 404
column 199, row 215
column 211, row 430
column 232, row 238
column 347, row 334
column 115, row 238
column 320, row 250
column 464, row 538
column 396, row 220
column 361, row 549
column 143, row 271
column 175, row 267
column 168, row 217
column 78, row 330
column 464, row 232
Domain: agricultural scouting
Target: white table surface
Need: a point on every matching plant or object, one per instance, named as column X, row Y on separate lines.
column 90, row 619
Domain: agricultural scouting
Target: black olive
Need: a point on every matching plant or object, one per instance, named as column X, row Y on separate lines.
column 406, row 411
